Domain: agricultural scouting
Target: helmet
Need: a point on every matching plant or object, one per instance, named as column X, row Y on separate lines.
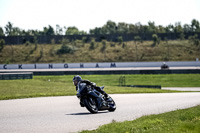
column 77, row 78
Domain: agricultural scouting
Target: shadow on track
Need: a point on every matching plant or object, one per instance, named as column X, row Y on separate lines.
column 87, row 113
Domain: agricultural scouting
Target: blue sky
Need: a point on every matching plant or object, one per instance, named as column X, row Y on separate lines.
column 88, row 14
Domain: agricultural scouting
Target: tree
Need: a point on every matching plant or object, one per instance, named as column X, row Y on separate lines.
column 161, row 29
column 59, row 30
column 120, row 39
column 131, row 28
column 84, row 40
column 152, row 27
column 65, row 49
column 33, row 33
column 92, row 43
column 48, row 30
column 137, row 38
column 12, row 31
column 65, row 41
column 168, row 49
column 182, row 36
column 195, row 25
column 122, row 28
column 96, row 31
column 194, row 40
column 2, row 43
column 169, row 28
column 109, row 28
column 178, row 28
column 16, row 31
column 103, row 48
column 1, row 31
column 186, row 28
column 9, row 29
column 155, row 39
column 74, row 31
column 138, row 28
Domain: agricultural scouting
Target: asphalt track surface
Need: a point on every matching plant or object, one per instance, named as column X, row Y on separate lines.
column 64, row 114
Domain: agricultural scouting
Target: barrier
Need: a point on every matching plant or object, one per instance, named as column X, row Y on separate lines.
column 99, row 71
column 179, row 67
column 145, row 86
column 100, row 65
column 107, row 72
column 12, row 76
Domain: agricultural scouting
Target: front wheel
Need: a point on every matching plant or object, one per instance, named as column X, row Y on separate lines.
column 90, row 104
column 112, row 106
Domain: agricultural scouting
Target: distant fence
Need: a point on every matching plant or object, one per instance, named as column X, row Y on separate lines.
column 42, row 39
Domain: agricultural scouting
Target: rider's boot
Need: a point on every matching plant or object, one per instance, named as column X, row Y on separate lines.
column 106, row 95
column 103, row 93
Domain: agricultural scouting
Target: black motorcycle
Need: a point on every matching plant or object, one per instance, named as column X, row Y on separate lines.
column 94, row 101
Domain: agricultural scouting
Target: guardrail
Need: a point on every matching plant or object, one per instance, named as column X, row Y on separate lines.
column 100, row 65
column 12, row 76
column 103, row 71
column 179, row 67
column 144, row 86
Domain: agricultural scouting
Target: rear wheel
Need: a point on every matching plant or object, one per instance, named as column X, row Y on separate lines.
column 90, row 104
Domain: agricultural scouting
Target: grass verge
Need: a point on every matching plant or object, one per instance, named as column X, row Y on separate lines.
column 42, row 86
column 180, row 121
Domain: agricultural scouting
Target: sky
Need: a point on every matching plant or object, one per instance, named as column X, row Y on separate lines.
column 88, row 14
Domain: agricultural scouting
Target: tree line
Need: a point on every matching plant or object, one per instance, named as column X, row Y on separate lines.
column 109, row 28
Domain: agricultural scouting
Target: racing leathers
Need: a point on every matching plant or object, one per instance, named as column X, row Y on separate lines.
column 93, row 85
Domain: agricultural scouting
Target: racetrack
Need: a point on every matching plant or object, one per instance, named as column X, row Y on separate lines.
column 64, row 114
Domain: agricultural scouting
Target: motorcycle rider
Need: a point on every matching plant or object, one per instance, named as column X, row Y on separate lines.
column 77, row 80
column 164, row 66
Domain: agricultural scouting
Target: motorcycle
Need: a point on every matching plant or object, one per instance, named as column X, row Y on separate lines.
column 94, row 101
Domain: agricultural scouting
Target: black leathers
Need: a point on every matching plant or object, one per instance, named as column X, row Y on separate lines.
column 92, row 85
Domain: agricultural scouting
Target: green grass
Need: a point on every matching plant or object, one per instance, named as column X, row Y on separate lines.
column 179, row 121
column 114, row 52
column 166, row 80
column 42, row 86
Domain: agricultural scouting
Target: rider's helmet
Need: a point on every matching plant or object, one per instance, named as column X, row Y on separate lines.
column 77, row 78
